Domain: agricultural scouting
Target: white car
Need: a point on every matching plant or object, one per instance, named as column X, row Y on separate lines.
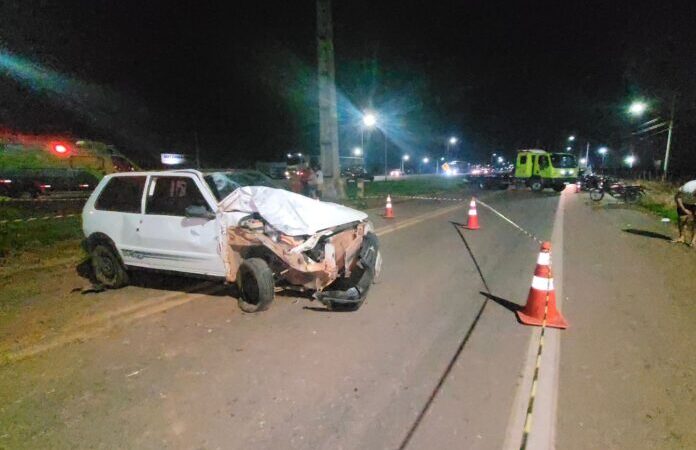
column 230, row 225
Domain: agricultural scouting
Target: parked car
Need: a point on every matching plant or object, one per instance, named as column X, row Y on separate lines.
column 225, row 226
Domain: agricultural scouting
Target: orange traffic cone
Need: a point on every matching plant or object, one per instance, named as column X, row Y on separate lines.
column 472, row 222
column 388, row 212
column 541, row 309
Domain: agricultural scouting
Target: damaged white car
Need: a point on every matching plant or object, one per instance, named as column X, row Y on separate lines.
column 231, row 225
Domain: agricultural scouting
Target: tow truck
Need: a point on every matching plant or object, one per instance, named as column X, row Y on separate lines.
column 536, row 169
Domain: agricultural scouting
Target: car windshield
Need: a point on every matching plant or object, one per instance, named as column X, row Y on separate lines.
column 563, row 161
column 224, row 183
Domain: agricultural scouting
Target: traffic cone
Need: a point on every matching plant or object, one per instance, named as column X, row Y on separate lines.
column 388, row 212
column 472, row 222
column 541, row 309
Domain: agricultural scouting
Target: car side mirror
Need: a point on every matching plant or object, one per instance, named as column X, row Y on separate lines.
column 200, row 212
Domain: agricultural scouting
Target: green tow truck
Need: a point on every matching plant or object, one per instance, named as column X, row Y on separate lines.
column 536, row 169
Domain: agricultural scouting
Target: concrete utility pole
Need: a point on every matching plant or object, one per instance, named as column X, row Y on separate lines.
column 669, row 138
column 328, row 115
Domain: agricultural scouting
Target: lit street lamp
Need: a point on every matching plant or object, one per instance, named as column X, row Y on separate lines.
column 357, row 151
column 603, row 151
column 426, row 160
column 583, row 161
column 569, row 148
column 571, row 138
column 637, row 108
column 629, row 160
column 404, row 159
column 369, row 120
column 451, row 142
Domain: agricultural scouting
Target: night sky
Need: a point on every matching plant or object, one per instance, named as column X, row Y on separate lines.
column 147, row 75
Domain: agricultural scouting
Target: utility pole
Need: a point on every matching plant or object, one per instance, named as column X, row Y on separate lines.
column 669, row 138
column 328, row 114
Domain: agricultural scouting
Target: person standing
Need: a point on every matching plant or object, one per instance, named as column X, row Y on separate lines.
column 685, row 199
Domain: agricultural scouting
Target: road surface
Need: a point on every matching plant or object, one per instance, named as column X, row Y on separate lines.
column 433, row 359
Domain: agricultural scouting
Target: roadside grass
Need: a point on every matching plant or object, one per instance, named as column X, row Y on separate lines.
column 659, row 199
column 37, row 235
column 426, row 185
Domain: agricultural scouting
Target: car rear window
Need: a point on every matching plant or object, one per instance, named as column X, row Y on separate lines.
column 121, row 194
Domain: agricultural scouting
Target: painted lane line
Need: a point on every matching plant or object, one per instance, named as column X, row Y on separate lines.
column 532, row 421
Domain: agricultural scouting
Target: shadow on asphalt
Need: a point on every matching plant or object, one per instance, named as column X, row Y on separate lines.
column 507, row 304
column 151, row 280
column 650, row 234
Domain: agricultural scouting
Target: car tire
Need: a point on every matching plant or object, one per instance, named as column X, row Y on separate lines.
column 107, row 267
column 536, row 185
column 255, row 285
column 558, row 187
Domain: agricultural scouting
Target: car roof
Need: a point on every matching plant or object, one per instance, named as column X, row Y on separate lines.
column 157, row 172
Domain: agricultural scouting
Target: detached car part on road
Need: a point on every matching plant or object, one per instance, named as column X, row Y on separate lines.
column 216, row 225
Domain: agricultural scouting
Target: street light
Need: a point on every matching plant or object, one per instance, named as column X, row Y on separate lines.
column 453, row 140
column 571, row 138
column 583, row 160
column 426, row 160
column 404, row 159
column 357, row 151
column 369, row 120
column 603, row 151
column 569, row 148
column 637, row 108
column 630, row 159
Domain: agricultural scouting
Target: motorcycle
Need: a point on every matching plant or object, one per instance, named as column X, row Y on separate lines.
column 618, row 190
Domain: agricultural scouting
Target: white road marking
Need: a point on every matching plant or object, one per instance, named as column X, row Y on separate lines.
column 543, row 427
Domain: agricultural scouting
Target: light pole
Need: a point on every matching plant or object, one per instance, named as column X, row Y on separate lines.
column 425, row 161
column 404, row 159
column 637, row 108
column 358, row 151
column 603, row 151
column 369, row 120
column 451, row 142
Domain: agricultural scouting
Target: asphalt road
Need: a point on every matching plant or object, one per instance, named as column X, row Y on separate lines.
column 429, row 361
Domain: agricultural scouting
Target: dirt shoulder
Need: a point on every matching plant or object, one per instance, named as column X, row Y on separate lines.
column 628, row 368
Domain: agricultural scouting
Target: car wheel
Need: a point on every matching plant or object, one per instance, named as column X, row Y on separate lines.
column 255, row 284
column 107, row 267
column 536, row 185
column 558, row 187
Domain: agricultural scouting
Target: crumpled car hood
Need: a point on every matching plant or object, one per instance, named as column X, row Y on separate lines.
column 287, row 212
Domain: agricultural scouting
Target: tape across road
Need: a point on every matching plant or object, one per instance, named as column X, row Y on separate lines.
column 34, row 219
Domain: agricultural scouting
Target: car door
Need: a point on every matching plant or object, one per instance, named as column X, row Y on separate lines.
column 117, row 212
column 170, row 240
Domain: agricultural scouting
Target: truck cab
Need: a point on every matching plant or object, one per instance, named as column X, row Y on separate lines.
column 540, row 169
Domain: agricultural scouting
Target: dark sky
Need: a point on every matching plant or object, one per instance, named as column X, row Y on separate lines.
column 499, row 75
